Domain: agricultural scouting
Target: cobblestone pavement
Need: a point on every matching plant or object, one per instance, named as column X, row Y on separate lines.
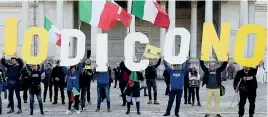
column 149, row 110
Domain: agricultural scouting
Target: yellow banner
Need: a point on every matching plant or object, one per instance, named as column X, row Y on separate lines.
column 88, row 67
column 152, row 52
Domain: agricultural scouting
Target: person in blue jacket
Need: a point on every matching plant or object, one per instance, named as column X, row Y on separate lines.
column 103, row 86
column 2, row 87
column 13, row 74
column 176, row 83
column 73, row 82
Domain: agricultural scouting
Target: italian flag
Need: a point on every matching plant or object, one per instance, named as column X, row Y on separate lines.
column 151, row 11
column 54, row 32
column 102, row 13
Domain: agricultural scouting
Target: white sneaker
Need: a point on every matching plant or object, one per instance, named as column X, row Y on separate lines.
column 78, row 112
column 67, row 112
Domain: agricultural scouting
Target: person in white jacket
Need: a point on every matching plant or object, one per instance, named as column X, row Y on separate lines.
column 194, row 84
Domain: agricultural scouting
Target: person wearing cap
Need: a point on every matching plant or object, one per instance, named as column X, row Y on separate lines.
column 86, row 77
column 58, row 79
column 247, row 81
column 35, row 87
column 194, row 84
column 150, row 74
column 212, row 80
column 14, row 74
column 176, row 84
column 48, row 82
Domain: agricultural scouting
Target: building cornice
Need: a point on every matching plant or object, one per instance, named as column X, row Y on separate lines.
column 19, row 5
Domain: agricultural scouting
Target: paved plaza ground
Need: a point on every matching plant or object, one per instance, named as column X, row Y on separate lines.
column 148, row 110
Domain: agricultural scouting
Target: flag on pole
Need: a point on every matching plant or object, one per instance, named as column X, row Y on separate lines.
column 151, row 11
column 54, row 32
column 102, row 13
column 75, row 92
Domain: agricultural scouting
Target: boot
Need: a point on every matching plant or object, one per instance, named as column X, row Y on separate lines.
column 249, row 116
column 41, row 110
column 11, row 111
column 166, row 114
column 177, row 115
column 218, row 115
column 207, row 115
column 138, row 108
column 198, row 103
column 193, row 103
column 31, row 111
column 128, row 108
column 55, row 102
column 19, row 111
column 156, row 102
column 150, row 102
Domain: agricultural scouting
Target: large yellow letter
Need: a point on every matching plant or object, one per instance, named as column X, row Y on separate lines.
column 210, row 37
column 43, row 46
column 11, row 34
column 240, row 42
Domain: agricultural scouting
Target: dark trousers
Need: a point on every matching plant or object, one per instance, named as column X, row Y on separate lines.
column 38, row 95
column 11, row 89
column 251, row 96
column 194, row 91
column 56, row 89
column 115, row 81
column 103, row 88
column 172, row 95
column 187, row 94
column 122, row 86
column 25, row 94
column 167, row 87
column 151, row 83
column 85, row 91
column 76, row 101
column 48, row 86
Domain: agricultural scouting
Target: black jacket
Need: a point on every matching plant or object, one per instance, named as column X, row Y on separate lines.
column 116, row 72
column 150, row 71
column 166, row 76
column 251, row 85
column 13, row 71
column 218, row 72
column 85, row 78
column 58, row 72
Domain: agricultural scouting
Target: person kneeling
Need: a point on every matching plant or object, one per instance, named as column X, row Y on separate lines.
column 177, row 83
column 35, row 88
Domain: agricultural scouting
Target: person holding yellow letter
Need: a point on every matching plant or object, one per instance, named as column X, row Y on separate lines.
column 13, row 74
column 212, row 80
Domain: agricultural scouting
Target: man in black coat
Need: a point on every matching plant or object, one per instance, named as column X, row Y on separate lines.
column 167, row 81
column 246, row 79
column 14, row 74
column 187, row 91
column 116, row 74
column 58, row 78
column 150, row 74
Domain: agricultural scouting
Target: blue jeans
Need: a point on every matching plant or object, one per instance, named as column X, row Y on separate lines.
column 172, row 94
column 38, row 95
column 151, row 83
column 103, row 88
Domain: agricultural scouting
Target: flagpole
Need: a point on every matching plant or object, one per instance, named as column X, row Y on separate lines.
column 79, row 24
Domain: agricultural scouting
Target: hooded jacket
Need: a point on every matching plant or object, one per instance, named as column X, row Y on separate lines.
column 13, row 71
column 150, row 71
column 207, row 72
column 35, row 80
column 176, row 76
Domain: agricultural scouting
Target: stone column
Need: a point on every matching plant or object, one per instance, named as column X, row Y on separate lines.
column 132, row 27
column 26, row 19
column 59, row 12
column 244, row 19
column 209, row 18
column 162, row 31
column 193, row 44
column 251, row 20
column 94, row 31
column 172, row 17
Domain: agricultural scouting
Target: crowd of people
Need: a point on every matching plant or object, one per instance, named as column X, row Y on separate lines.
column 179, row 78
